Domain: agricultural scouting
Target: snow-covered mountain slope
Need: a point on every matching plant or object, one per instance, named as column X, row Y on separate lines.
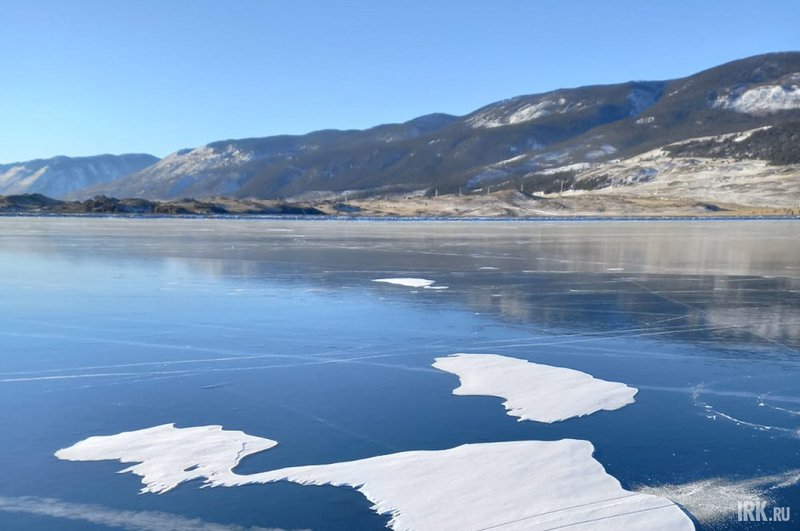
column 60, row 176
column 537, row 140
column 673, row 172
column 781, row 95
column 228, row 168
column 434, row 151
column 218, row 169
column 656, row 175
column 629, row 98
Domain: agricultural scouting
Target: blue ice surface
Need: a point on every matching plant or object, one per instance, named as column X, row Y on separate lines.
column 276, row 329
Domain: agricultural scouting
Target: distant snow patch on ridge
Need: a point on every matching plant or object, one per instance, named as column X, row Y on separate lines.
column 761, row 100
column 534, row 111
column 167, row 456
column 512, row 160
column 534, row 391
column 640, row 98
column 516, row 485
column 512, row 112
column 410, row 282
column 578, row 166
column 602, row 151
column 203, row 158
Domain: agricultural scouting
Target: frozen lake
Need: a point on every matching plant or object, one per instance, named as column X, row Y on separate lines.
column 278, row 329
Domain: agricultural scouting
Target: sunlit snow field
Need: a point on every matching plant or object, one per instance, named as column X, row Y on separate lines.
column 278, row 329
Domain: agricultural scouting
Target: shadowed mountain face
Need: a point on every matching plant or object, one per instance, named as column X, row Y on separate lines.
column 511, row 141
column 61, row 176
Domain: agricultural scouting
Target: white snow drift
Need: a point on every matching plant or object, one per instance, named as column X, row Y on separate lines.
column 411, row 282
column 534, row 391
column 168, row 456
column 516, row 485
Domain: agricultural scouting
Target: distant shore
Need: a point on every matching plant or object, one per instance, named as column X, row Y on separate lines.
column 499, row 205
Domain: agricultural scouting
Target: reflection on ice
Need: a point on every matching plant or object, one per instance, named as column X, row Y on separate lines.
column 719, row 275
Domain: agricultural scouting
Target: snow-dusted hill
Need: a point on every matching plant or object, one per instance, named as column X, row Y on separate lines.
column 628, row 99
column 218, row 170
column 538, row 142
column 681, row 172
column 782, row 94
column 60, row 176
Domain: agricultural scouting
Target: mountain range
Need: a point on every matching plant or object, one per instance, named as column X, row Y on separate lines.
column 578, row 139
column 61, row 176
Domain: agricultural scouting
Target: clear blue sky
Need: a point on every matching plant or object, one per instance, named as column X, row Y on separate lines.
column 82, row 77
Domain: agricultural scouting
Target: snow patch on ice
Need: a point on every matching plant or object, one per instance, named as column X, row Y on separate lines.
column 410, row 282
column 513, row 485
column 534, row 391
column 516, row 485
column 167, row 456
